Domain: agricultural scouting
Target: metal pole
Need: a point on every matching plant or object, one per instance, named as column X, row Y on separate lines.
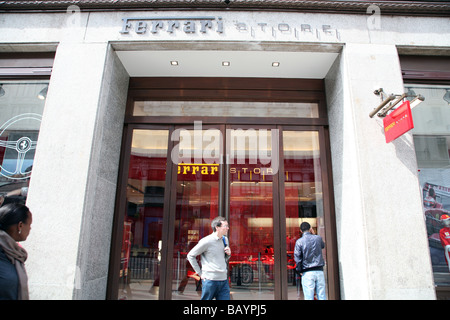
column 381, row 106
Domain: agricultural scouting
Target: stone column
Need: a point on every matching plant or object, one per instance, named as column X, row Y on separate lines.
column 382, row 242
column 73, row 185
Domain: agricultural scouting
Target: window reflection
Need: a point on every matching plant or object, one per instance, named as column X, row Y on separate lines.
column 197, row 203
column 432, row 145
column 303, row 196
column 20, row 121
column 200, row 184
column 252, row 274
column 142, row 235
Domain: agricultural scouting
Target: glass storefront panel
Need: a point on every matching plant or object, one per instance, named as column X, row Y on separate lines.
column 242, row 189
column 21, row 104
column 143, row 223
column 303, row 196
column 197, row 203
column 226, row 109
column 251, row 219
column 242, row 182
column 432, row 144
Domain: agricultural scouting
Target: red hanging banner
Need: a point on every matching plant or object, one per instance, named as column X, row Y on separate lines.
column 398, row 122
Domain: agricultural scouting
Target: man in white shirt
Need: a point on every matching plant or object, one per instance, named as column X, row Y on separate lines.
column 215, row 252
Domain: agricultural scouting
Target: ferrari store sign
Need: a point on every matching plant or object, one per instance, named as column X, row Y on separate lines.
column 398, row 122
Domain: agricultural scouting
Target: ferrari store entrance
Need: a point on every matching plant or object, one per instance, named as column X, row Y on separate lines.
column 191, row 155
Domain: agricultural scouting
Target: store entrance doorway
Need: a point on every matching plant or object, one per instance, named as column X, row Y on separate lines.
column 255, row 151
column 265, row 180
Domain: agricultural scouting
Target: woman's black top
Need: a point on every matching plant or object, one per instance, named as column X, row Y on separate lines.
column 9, row 281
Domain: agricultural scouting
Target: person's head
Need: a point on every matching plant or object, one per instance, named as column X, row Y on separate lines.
column 16, row 219
column 445, row 219
column 220, row 225
column 305, row 226
column 431, row 193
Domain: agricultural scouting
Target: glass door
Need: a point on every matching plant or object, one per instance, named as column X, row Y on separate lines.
column 196, row 199
column 264, row 180
column 303, row 196
column 142, row 239
column 250, row 178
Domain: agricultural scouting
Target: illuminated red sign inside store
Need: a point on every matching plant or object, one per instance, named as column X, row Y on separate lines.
column 201, row 168
column 398, row 122
column 255, row 173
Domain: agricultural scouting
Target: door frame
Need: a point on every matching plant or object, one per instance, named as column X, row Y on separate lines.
column 226, row 89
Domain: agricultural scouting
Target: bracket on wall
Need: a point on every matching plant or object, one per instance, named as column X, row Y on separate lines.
column 388, row 102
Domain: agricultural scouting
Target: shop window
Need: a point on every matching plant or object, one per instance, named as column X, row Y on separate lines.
column 142, row 242
column 432, row 144
column 21, row 104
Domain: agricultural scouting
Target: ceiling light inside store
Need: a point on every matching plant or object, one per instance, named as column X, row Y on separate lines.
column 275, row 64
column 226, row 63
column 174, row 63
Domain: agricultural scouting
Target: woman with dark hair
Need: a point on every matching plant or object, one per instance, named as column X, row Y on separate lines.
column 15, row 226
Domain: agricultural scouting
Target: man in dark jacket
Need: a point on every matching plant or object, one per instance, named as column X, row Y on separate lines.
column 309, row 259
